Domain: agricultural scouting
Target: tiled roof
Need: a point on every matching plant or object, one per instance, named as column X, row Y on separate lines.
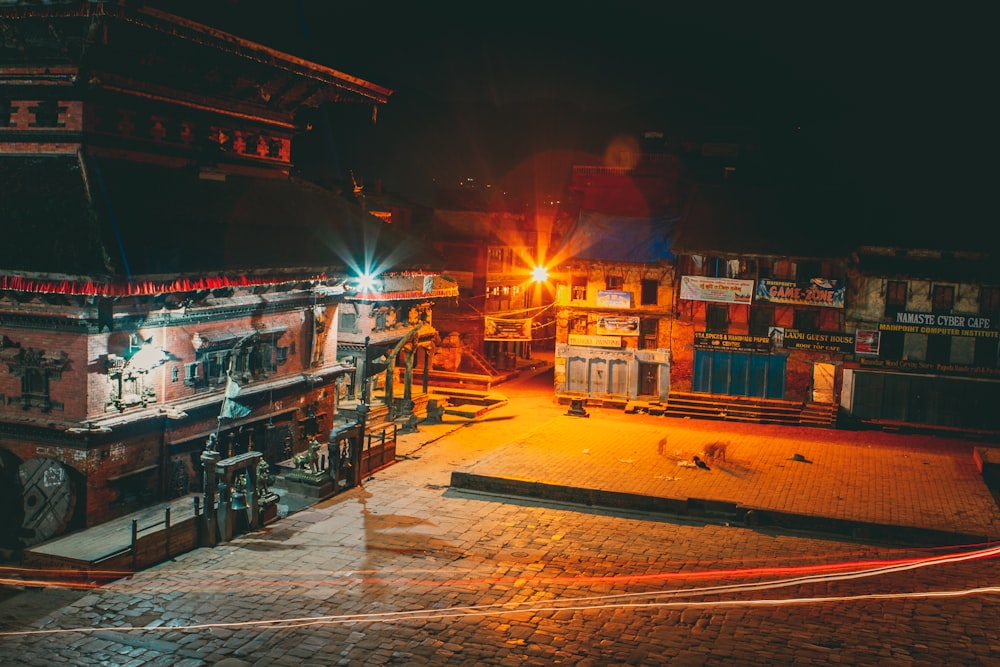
column 154, row 222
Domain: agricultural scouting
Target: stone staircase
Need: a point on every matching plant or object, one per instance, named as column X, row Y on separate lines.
column 749, row 409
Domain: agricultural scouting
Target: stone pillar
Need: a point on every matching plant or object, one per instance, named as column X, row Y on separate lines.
column 209, row 459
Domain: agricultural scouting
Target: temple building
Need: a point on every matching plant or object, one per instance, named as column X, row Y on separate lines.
column 167, row 273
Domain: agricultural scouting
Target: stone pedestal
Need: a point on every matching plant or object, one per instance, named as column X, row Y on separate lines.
column 316, row 485
column 269, row 507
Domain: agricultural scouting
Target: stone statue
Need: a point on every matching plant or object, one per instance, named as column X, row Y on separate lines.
column 263, row 485
column 310, row 458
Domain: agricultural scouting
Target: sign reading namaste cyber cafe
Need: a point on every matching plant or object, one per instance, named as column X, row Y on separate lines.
column 815, row 292
column 931, row 323
column 722, row 290
column 507, row 329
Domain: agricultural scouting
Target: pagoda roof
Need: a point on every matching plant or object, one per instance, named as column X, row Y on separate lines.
column 153, row 53
column 89, row 225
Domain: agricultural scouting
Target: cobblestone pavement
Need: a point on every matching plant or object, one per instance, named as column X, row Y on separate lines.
column 407, row 571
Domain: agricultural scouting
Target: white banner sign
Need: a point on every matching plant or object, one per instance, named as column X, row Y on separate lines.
column 722, row 290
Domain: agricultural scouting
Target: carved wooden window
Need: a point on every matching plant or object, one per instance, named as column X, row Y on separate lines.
column 579, row 288
column 717, row 318
column 255, row 359
column 806, row 319
column 47, row 114
column 36, row 370
column 761, row 320
column 943, row 299
column 989, row 301
column 648, row 328
column 895, row 297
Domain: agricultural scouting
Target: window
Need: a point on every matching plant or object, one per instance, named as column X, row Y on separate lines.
column 914, row 346
column 34, row 385
column 578, row 325
column 895, row 297
column 252, row 360
column 987, row 352
column 989, row 301
column 694, row 265
column 36, row 370
column 649, row 292
column 943, row 299
column 499, row 260
column 939, row 349
column 614, row 282
column 191, row 374
column 348, row 322
column 648, row 327
column 761, row 320
column 807, row 270
column 963, row 350
column 579, row 288
column 717, row 318
column 806, row 319
column 783, row 269
column 891, row 345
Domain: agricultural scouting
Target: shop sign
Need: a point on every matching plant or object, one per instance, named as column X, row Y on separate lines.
column 705, row 340
column 612, row 299
column 816, row 292
column 928, row 367
column 617, row 325
column 932, row 320
column 721, row 290
column 588, row 340
column 507, row 329
column 866, row 341
column 937, row 325
column 793, row 339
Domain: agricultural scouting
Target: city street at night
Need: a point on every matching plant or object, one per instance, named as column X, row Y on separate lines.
column 407, row 570
column 399, row 334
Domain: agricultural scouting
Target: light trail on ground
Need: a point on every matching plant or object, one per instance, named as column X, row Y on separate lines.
column 647, row 599
column 88, row 579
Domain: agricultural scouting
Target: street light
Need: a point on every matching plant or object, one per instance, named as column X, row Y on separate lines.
column 539, row 274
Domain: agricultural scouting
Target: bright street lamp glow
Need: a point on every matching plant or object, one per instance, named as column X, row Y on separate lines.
column 539, row 274
column 366, row 283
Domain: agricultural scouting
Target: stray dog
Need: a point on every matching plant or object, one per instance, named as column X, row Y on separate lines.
column 716, row 451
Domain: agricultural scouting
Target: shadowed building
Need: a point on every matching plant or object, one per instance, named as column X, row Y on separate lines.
column 167, row 273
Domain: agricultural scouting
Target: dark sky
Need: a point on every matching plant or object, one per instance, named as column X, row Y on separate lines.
column 895, row 101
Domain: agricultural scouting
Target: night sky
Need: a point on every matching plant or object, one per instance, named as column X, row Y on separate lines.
column 893, row 103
